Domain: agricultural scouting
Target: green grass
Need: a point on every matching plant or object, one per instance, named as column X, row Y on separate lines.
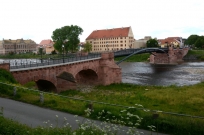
column 195, row 52
column 135, row 58
column 183, row 100
column 199, row 54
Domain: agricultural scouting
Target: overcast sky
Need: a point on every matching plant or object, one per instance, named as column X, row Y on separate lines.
column 37, row 19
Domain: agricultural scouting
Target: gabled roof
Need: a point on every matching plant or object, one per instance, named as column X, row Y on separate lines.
column 168, row 40
column 109, row 33
column 46, row 42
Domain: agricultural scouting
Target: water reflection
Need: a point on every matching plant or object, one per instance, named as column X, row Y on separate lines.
column 187, row 73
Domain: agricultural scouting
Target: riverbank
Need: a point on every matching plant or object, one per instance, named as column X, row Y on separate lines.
column 173, row 110
column 192, row 55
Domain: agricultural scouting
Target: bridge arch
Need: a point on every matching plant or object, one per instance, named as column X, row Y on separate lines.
column 45, row 85
column 145, row 50
column 86, row 76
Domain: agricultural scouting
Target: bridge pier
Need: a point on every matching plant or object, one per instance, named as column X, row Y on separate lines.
column 174, row 56
column 109, row 71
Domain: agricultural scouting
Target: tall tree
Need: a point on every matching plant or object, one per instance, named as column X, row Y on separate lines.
column 152, row 43
column 191, row 39
column 67, row 36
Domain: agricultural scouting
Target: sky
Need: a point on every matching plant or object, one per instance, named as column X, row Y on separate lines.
column 37, row 19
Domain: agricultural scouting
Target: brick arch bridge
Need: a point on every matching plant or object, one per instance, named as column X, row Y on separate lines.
column 97, row 71
column 64, row 76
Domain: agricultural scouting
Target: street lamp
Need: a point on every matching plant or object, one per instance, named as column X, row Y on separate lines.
column 63, row 47
column 63, row 52
column 80, row 48
column 107, row 45
column 41, row 52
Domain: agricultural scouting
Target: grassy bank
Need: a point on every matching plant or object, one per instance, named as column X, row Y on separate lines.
column 10, row 127
column 135, row 58
column 198, row 54
column 180, row 100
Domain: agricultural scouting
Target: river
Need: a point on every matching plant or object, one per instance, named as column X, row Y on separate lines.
column 144, row 73
column 186, row 73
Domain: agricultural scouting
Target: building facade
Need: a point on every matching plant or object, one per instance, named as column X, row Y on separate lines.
column 47, row 46
column 17, row 46
column 141, row 43
column 111, row 39
column 174, row 41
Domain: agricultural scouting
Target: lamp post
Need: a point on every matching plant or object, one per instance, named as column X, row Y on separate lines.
column 107, row 45
column 41, row 53
column 63, row 52
column 63, row 47
column 80, row 48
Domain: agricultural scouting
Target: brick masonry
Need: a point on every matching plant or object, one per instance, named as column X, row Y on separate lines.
column 102, row 71
column 173, row 57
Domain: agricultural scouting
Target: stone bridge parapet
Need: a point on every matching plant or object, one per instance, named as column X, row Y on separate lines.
column 98, row 71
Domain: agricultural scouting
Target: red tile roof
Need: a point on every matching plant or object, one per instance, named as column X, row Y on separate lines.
column 46, row 42
column 109, row 33
column 168, row 40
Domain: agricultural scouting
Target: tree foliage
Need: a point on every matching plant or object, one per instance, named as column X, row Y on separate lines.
column 152, row 43
column 41, row 50
column 67, row 36
column 191, row 39
column 195, row 41
column 200, row 42
column 87, row 47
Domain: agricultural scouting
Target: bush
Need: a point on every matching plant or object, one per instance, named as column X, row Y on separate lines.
column 6, row 76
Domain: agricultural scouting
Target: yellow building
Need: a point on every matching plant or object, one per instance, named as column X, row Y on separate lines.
column 169, row 41
column 111, row 39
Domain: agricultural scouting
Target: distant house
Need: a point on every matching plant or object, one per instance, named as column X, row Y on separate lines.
column 17, row 46
column 111, row 39
column 174, row 41
column 47, row 46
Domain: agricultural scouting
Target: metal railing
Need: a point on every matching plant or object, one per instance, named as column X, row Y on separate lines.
column 28, row 63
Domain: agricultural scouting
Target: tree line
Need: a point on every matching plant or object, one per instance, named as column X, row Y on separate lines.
column 195, row 41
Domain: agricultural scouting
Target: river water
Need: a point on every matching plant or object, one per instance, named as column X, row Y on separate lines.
column 144, row 73
column 186, row 73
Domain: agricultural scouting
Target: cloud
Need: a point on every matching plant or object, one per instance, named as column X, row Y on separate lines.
column 38, row 19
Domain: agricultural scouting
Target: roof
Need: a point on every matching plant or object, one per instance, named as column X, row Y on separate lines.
column 108, row 33
column 10, row 41
column 168, row 40
column 46, row 42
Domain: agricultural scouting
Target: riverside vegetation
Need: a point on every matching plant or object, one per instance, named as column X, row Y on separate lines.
column 139, row 100
column 164, row 107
